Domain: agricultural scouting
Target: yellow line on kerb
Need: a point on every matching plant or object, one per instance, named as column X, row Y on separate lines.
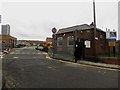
column 60, row 60
column 82, row 64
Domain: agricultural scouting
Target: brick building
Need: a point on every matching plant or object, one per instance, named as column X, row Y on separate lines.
column 85, row 33
column 118, row 46
column 7, row 41
column 49, row 39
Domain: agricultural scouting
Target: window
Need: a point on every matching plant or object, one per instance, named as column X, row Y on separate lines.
column 70, row 41
column 88, row 31
column 59, row 41
column 101, row 36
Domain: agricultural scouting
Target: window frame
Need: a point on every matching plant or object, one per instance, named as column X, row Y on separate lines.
column 68, row 42
column 59, row 39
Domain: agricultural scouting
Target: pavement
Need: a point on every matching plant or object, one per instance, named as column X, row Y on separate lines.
column 103, row 65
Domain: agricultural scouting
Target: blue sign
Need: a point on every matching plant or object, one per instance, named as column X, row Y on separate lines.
column 111, row 40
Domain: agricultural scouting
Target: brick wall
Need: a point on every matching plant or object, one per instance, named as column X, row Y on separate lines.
column 101, row 44
column 7, row 41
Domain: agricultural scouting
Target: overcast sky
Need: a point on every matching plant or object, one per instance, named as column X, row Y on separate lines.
column 34, row 20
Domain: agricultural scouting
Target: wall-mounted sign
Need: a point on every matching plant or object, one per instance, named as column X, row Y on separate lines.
column 87, row 44
column 111, row 43
column 111, row 40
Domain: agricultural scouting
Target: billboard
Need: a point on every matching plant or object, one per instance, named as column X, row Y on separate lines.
column 111, row 35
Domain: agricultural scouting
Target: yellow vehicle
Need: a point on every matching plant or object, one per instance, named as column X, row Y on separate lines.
column 47, row 45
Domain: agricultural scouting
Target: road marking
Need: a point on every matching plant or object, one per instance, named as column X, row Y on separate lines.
column 52, row 68
column 48, row 58
column 15, row 57
column 49, row 67
column 12, row 52
column 39, row 53
column 22, row 69
column 1, row 56
column 23, row 52
column 44, row 53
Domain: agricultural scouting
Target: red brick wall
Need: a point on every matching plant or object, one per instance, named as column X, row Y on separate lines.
column 101, row 47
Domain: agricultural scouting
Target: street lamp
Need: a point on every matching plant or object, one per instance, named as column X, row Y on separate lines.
column 54, row 30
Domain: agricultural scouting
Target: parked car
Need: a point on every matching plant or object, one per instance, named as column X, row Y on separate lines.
column 39, row 48
column 20, row 45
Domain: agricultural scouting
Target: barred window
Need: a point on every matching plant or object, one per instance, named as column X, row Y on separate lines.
column 70, row 41
column 59, row 41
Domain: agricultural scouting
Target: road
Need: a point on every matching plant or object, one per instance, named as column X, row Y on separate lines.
column 29, row 68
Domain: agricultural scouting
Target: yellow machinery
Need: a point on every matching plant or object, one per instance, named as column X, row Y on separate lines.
column 47, row 45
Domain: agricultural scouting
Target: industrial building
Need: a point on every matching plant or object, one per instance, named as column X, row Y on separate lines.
column 66, row 37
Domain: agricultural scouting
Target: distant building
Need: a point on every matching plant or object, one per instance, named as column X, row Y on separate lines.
column 5, row 29
column 29, row 42
column 7, row 41
column 49, row 39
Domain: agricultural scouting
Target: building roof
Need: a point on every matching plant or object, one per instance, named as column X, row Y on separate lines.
column 77, row 27
column 48, row 39
column 7, row 36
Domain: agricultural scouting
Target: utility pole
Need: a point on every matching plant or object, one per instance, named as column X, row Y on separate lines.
column 94, row 14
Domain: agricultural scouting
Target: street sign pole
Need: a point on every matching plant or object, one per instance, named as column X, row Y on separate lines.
column 54, row 30
column 114, row 51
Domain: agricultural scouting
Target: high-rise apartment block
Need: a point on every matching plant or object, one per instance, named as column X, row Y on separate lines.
column 5, row 29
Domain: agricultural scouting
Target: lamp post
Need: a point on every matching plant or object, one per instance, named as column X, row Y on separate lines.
column 54, row 30
column 94, row 14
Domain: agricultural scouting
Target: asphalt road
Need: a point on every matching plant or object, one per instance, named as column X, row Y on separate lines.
column 29, row 68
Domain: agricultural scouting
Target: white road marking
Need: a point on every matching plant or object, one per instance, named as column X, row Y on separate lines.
column 12, row 52
column 1, row 56
column 23, row 52
column 38, row 53
column 15, row 57
column 49, row 67
column 52, row 68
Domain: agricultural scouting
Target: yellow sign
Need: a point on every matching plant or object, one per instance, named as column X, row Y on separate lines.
column 111, row 43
